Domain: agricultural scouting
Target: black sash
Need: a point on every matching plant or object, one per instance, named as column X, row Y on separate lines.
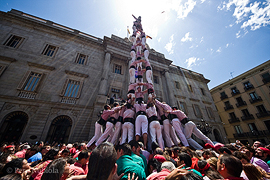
column 101, row 121
column 152, row 118
column 184, row 121
column 131, row 91
column 171, row 116
column 148, row 68
column 163, row 117
column 140, row 113
column 112, row 120
column 129, row 120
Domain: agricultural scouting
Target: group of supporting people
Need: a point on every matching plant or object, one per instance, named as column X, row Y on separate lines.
column 156, row 118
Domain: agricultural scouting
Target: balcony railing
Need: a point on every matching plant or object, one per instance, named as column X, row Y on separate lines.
column 234, row 120
column 228, row 107
column 239, row 104
column 247, row 88
column 255, row 100
column 263, row 114
column 245, row 118
column 252, row 134
column 223, row 97
column 235, row 92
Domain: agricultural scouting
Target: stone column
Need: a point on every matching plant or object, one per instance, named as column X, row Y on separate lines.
column 170, row 89
column 104, row 79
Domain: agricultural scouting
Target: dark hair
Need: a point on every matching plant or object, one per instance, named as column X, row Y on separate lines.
column 83, row 154
column 54, row 170
column 140, row 144
column 231, row 147
column 251, row 150
column 39, row 143
column 101, row 162
column 3, row 157
column 50, row 154
column 129, row 106
column 139, row 101
column 191, row 176
column 125, row 147
column 134, row 143
column 115, row 104
column 241, row 155
column 186, row 158
column 13, row 176
column 233, row 165
column 65, row 151
column 154, row 145
column 11, row 166
column 210, row 173
column 71, row 160
column 159, row 151
column 106, row 106
column 224, row 149
column 155, row 163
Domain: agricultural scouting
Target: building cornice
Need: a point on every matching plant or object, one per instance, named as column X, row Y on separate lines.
column 40, row 66
column 73, row 73
column 7, row 59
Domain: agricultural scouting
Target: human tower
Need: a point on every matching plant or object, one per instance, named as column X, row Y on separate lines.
column 165, row 124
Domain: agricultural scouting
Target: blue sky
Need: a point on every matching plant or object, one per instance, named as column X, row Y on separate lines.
column 220, row 39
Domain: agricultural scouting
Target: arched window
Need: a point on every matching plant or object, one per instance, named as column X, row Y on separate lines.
column 217, row 136
column 12, row 126
column 59, row 130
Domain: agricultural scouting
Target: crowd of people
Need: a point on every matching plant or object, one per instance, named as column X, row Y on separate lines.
column 131, row 161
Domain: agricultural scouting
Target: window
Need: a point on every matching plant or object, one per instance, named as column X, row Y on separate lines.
column 115, row 90
column 235, row 91
column 49, row 50
column 183, row 107
column 72, row 89
column 238, row 129
column 223, row 95
column 266, row 78
column 210, row 112
column 117, row 69
column 14, row 41
column 155, row 78
column 248, row 85
column 190, row 88
column 177, row 85
column 245, row 113
column 252, row 127
column 261, row 109
column 32, row 81
column 197, row 110
column 81, row 59
column 232, row 115
column 227, row 104
column 253, row 96
column 240, row 102
column 202, row 91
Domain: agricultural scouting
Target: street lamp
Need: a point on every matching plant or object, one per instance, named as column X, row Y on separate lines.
column 204, row 127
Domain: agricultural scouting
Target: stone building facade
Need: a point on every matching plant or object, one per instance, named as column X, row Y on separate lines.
column 243, row 103
column 54, row 81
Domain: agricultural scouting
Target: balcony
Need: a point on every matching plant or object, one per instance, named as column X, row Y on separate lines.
column 245, row 118
column 247, row 88
column 235, row 92
column 263, row 114
column 223, row 97
column 234, row 120
column 239, row 104
column 255, row 100
column 252, row 134
column 228, row 107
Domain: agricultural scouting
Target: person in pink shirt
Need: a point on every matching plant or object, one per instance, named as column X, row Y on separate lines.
column 168, row 131
column 25, row 149
column 118, row 126
column 128, row 125
column 98, row 125
column 131, row 91
column 189, row 129
column 81, row 164
column 132, row 69
column 114, row 113
column 141, row 123
column 154, row 125
column 139, row 94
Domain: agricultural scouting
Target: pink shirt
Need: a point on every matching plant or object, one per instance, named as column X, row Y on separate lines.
column 180, row 114
column 140, row 94
column 122, row 111
column 147, row 63
column 140, row 107
column 159, row 176
column 129, row 113
column 149, row 85
column 106, row 113
column 132, row 86
column 77, row 170
column 20, row 154
column 151, row 111
column 165, row 107
column 115, row 115
column 140, row 72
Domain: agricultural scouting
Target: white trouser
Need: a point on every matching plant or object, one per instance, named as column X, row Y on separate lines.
column 141, row 125
column 131, row 75
column 148, row 75
column 177, row 126
column 155, row 133
column 128, row 132
column 116, row 133
column 190, row 128
column 166, row 132
column 108, row 131
column 98, row 132
column 174, row 137
column 146, row 54
column 133, row 56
